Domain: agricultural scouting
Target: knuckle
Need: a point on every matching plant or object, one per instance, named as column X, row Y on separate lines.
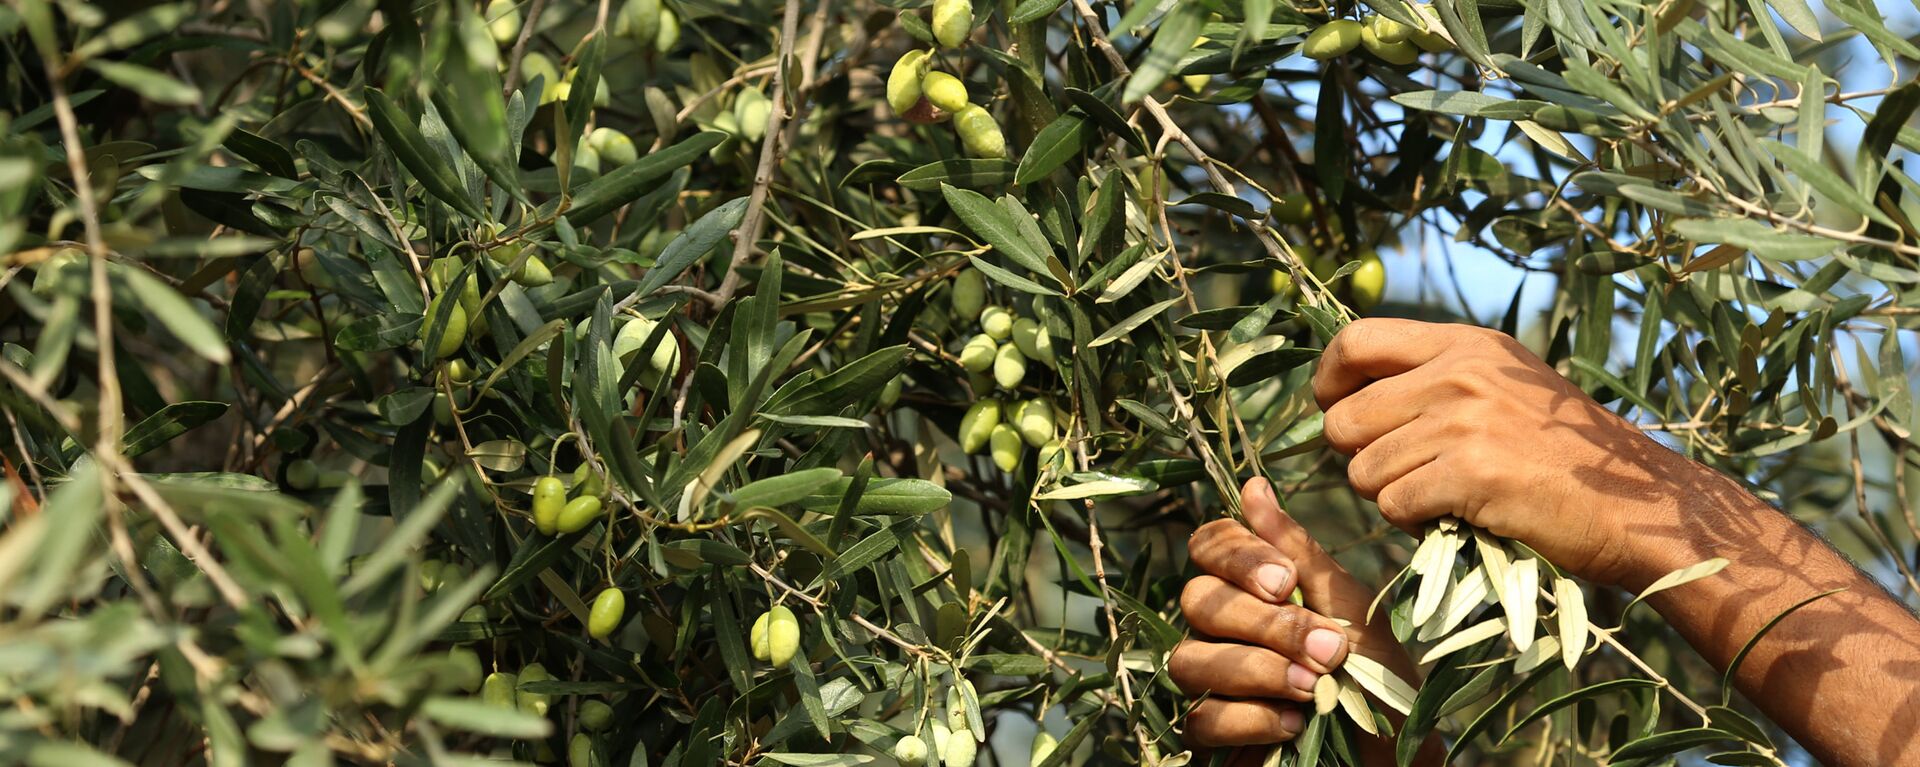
column 1340, row 429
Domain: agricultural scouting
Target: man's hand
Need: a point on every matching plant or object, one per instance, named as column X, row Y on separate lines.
column 1256, row 656
column 1454, row 420
column 1448, row 420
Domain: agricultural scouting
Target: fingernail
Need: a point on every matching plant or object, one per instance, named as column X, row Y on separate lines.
column 1324, row 645
column 1292, row 720
column 1302, row 678
column 1273, row 578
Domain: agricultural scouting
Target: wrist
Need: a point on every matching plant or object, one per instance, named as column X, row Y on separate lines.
column 1686, row 525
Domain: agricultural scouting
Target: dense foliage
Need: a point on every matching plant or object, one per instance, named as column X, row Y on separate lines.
column 687, row 382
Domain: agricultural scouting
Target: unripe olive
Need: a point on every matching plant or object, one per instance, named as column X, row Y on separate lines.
column 536, row 66
column 1043, row 746
column 669, row 34
column 1033, row 340
column 957, row 708
column 584, row 158
column 302, row 474
column 609, row 606
column 459, row 372
column 997, row 321
column 1009, row 366
column 430, row 580
column 1281, row 282
column 890, row 393
column 614, row 147
column 1295, row 208
column 580, row 751
column 549, row 497
column 595, row 716
column 1034, row 420
column 939, row 733
column 442, row 409
column 977, row 355
column 577, row 514
column 665, row 355
column 1196, row 83
column 979, row 382
column 976, row 427
column 969, row 294
column 533, row 272
column 1334, row 38
column 1006, row 447
column 639, row 20
column 1054, row 455
column 960, row 749
column 1431, row 42
column 452, row 335
column 1369, row 282
column 776, row 636
column 751, row 109
column 1402, row 52
column 463, row 669
column 910, row 751
column 903, row 83
column 533, row 702
column 585, row 482
column 952, row 22
column 945, row 91
column 1387, row 30
column 499, row 689
column 979, row 132
column 503, row 21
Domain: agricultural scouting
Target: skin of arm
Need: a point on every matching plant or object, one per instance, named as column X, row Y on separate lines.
column 1451, row 420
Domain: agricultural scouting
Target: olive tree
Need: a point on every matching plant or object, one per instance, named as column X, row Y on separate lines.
column 688, row 382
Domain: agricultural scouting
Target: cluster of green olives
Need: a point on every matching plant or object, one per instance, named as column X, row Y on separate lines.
column 921, row 94
column 503, row 689
column 554, row 513
column 998, row 356
column 1388, row 40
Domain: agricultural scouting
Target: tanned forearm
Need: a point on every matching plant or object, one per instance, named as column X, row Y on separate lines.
column 1841, row 675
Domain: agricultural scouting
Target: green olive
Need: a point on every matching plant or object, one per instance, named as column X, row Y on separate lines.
column 976, row 427
column 979, row 132
column 1332, row 39
column 580, row 751
column 1006, row 447
column 1033, row 340
column 890, row 393
column 1369, row 282
column 452, row 334
column 910, row 751
column 585, row 482
column 536, row 66
column 751, row 110
column 499, row 689
column 1281, row 282
column 1053, row 455
column 549, row 497
column 776, row 636
column 904, row 82
column 639, row 20
column 595, row 716
column 969, row 294
column 669, row 34
column 952, row 22
column 577, row 514
column 302, row 474
column 1401, row 53
column 945, row 91
column 997, row 321
column 1431, row 42
column 977, row 355
column 1009, row 366
column 960, row 749
column 614, row 147
column 584, row 158
column 609, row 606
column 1387, row 30
column 463, row 669
column 533, row 272
column 533, row 702
column 1295, row 208
column 1034, row 420
column 503, row 21
column 1043, row 747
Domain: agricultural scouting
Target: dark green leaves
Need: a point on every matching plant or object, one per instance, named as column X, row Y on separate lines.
column 411, row 149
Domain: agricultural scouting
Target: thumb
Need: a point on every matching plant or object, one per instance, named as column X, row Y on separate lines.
column 1327, row 586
